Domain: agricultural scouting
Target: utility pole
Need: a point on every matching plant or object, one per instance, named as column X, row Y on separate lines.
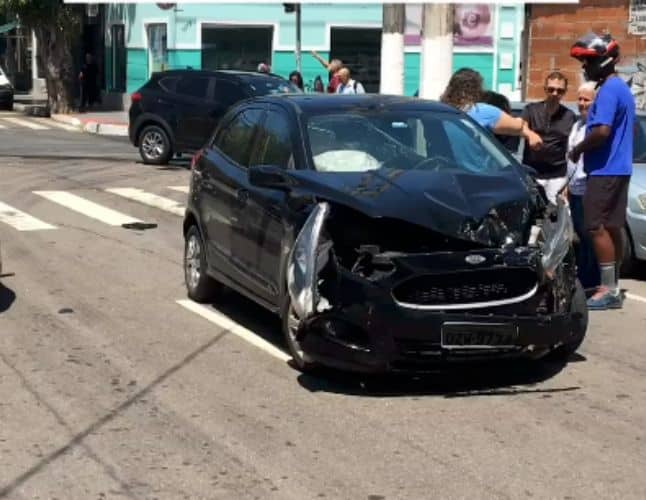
column 298, row 38
column 392, row 49
column 437, row 49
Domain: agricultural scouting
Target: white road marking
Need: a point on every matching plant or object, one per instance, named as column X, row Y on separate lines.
column 181, row 189
column 2, row 126
column 25, row 123
column 638, row 298
column 53, row 123
column 87, row 207
column 222, row 321
column 153, row 200
column 20, row 220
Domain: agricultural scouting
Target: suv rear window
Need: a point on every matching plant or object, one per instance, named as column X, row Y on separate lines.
column 193, row 86
column 264, row 86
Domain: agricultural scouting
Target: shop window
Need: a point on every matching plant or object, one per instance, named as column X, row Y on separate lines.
column 239, row 48
column 360, row 50
column 118, row 53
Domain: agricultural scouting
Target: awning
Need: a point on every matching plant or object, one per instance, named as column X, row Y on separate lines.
column 8, row 27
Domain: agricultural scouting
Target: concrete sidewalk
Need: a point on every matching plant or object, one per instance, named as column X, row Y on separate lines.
column 100, row 122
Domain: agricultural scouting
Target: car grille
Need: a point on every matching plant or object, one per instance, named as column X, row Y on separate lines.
column 467, row 287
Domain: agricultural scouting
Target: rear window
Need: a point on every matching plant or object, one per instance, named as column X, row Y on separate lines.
column 265, row 86
column 193, row 86
column 168, row 83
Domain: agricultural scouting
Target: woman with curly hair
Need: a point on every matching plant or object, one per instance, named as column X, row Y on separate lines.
column 465, row 92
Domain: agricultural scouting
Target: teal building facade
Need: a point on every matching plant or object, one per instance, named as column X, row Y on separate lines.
column 143, row 38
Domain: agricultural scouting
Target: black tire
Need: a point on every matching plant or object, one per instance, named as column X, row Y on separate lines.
column 300, row 360
column 154, row 145
column 199, row 285
column 578, row 307
column 628, row 263
column 8, row 106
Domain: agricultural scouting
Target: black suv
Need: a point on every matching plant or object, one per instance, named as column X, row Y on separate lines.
column 176, row 111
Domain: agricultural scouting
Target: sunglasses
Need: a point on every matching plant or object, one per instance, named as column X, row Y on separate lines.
column 558, row 90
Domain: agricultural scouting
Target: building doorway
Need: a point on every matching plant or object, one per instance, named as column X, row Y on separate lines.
column 236, row 47
column 360, row 50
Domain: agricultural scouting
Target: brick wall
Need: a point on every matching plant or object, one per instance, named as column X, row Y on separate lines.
column 553, row 29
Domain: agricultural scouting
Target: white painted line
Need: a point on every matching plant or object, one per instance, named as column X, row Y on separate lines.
column 52, row 123
column 87, row 208
column 153, row 200
column 223, row 322
column 181, row 189
column 638, row 298
column 2, row 126
column 20, row 220
column 25, row 123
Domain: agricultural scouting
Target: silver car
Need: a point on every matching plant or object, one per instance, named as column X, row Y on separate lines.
column 635, row 231
column 635, row 250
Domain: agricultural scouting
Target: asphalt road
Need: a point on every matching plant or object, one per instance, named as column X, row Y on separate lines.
column 109, row 388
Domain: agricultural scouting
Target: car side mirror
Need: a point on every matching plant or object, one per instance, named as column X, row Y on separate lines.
column 270, row 176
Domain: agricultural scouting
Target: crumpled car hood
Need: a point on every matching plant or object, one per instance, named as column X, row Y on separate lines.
column 473, row 207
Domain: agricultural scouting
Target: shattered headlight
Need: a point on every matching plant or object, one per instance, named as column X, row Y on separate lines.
column 307, row 258
column 558, row 236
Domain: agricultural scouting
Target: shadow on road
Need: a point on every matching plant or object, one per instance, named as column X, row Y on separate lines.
column 7, row 298
column 491, row 378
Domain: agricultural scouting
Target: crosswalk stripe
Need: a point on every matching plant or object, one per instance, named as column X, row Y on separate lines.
column 2, row 126
column 25, row 123
column 20, row 220
column 181, row 189
column 52, row 123
column 87, row 207
column 153, row 200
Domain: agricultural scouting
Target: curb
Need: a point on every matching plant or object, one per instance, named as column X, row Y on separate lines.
column 92, row 126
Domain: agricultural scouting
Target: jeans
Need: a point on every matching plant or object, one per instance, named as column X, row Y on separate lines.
column 586, row 260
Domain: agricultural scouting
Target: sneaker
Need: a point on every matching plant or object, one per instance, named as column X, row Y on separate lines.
column 606, row 301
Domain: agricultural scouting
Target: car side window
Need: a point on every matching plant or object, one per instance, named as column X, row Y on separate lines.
column 228, row 93
column 168, row 83
column 275, row 143
column 235, row 139
column 193, row 86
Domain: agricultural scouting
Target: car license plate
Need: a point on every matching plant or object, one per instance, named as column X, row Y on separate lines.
column 479, row 335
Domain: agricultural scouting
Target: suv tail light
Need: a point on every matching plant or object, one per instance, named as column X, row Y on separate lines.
column 136, row 97
column 196, row 158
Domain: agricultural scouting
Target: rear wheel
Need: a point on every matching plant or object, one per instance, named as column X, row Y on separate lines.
column 579, row 308
column 154, row 145
column 199, row 285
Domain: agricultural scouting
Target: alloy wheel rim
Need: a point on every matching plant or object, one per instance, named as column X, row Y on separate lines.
column 193, row 268
column 153, row 145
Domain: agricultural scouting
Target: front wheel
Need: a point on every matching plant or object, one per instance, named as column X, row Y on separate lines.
column 579, row 308
column 199, row 285
column 154, row 145
column 290, row 326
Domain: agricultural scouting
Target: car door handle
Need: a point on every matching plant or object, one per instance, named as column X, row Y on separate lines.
column 242, row 195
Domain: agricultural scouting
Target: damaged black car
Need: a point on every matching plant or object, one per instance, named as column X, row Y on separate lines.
column 388, row 233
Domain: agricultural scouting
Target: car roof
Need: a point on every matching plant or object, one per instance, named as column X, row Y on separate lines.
column 215, row 72
column 322, row 102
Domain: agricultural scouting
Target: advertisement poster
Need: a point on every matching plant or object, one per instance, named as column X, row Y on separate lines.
column 472, row 27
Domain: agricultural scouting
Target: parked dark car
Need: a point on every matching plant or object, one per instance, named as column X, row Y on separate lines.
column 176, row 111
column 6, row 92
column 388, row 233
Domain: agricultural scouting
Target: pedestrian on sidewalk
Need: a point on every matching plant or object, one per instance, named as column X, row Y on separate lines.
column 553, row 122
column 88, row 80
column 465, row 92
column 607, row 159
column 332, row 67
column 263, row 68
column 347, row 85
column 297, row 79
column 501, row 102
column 586, row 261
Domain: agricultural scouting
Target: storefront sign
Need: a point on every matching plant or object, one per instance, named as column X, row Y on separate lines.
column 637, row 17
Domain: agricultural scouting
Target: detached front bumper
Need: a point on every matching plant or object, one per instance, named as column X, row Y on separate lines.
column 379, row 336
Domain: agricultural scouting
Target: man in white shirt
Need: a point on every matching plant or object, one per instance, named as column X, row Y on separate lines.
column 587, row 267
column 348, row 85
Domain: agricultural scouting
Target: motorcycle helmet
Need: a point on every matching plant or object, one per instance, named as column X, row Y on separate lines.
column 598, row 53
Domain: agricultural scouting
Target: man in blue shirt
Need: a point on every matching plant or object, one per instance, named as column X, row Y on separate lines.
column 607, row 158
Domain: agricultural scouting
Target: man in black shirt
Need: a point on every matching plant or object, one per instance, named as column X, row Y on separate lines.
column 553, row 122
